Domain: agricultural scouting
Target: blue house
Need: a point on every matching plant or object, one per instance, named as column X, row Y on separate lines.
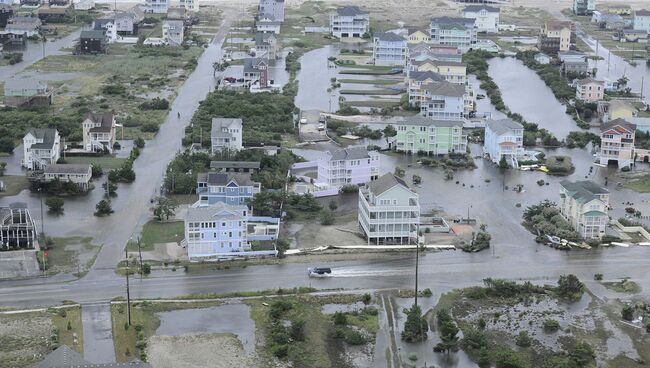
column 230, row 188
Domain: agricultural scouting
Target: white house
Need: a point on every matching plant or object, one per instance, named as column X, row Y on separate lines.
column 418, row 79
column 226, row 134
column 156, row 6
column 389, row 212
column 98, row 132
column 389, row 49
column 585, row 205
column 542, row 58
column 79, row 174
column 487, row 17
column 571, row 56
column 214, row 230
column 504, row 138
column 23, row 26
column 617, row 143
column 191, row 5
column 272, row 8
column 84, row 4
column 349, row 22
column 443, row 101
column 41, row 147
column 352, row 165
column 641, row 20
column 268, row 24
column 173, row 32
column 584, row 7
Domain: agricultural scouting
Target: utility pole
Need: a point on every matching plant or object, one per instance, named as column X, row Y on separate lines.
column 40, row 196
column 140, row 254
column 128, row 293
column 417, row 259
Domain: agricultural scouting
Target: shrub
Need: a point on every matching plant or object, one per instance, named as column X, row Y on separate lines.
column 627, row 313
column 427, row 293
column 366, row 298
column 523, row 339
column 354, row 337
column 298, row 330
column 340, row 319
column 551, row 325
column 326, row 218
column 55, row 204
column 598, row 277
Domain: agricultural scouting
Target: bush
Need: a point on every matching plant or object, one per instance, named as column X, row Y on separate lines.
column 139, row 142
column 366, row 298
column 278, row 307
column 598, row 277
column 551, row 325
column 155, row 104
column 627, row 313
column 340, row 319
column 55, row 204
column 354, row 337
column 523, row 340
column 326, row 218
column 427, row 293
column 416, row 326
column 570, row 287
column 298, row 330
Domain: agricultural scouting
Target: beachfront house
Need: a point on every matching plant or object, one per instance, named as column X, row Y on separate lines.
column 417, row 37
column 93, row 42
column 389, row 49
column 41, row 147
column 449, row 31
column 349, row 22
column 21, row 92
column 617, row 143
column 487, row 17
column 272, row 8
column 389, row 212
column 98, row 131
column 453, row 71
column 434, row 137
column 156, row 6
column 190, row 5
column 352, row 165
column 590, row 90
column 228, row 187
column 585, row 205
column 443, row 101
column 266, row 45
column 556, row 36
column 416, row 80
column 23, row 26
column 79, row 174
column 504, row 138
column 641, row 20
column 226, row 135
column 173, row 32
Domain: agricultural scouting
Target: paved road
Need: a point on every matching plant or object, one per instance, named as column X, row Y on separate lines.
column 98, row 333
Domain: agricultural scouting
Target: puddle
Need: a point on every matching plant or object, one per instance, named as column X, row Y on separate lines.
column 230, row 318
column 333, row 308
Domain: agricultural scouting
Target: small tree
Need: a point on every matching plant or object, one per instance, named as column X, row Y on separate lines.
column 139, row 142
column 366, row 298
column 110, row 189
column 298, row 330
column 103, row 208
column 523, row 339
column 416, row 326
column 484, row 358
column 326, row 218
column 164, row 208
column 570, row 287
column 55, row 204
column 333, row 205
column 281, row 245
column 389, row 132
column 503, row 163
column 628, row 312
column 96, row 170
column 399, row 172
column 340, row 319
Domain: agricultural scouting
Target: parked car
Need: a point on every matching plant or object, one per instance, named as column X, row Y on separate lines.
column 319, row 271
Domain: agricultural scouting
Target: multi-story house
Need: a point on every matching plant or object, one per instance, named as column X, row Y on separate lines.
column 453, row 71
column 23, row 26
column 79, row 174
column 41, row 147
column 417, row 37
column 98, row 132
column 351, row 165
column 272, row 8
column 389, row 212
column 17, row 228
column 585, row 204
column 641, row 20
column 214, row 230
column 459, row 32
column 266, row 45
column 190, row 5
column 27, row 92
column 389, row 49
column 173, row 32
column 267, row 24
column 487, row 17
column 416, row 80
column 93, row 42
column 590, row 90
column 256, row 71
column 349, row 22
column 226, row 134
column 231, row 188
column 556, row 36
column 617, row 143
column 443, row 101
column 584, row 7
column 156, row 6
column 504, row 138
column 434, row 137
column 6, row 12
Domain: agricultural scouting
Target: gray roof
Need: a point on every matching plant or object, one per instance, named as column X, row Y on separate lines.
column 438, row 62
column 219, row 123
column 234, row 164
column 47, row 135
column 92, row 34
column 350, row 11
column 34, row 21
column 15, row 84
column 349, row 153
column 583, row 191
column 262, row 38
column 642, row 13
column 105, row 121
column 589, row 80
column 445, row 89
column 423, row 121
column 64, row 357
column 101, row 23
column 175, row 23
column 67, row 169
column 503, row 125
column 209, row 213
column 220, row 179
column 477, row 8
column 251, row 64
column 384, row 183
column 453, row 22
column 388, row 37
column 421, row 76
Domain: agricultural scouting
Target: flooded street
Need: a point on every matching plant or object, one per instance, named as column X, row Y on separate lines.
column 314, row 80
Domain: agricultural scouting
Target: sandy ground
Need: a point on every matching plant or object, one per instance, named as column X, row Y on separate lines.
column 166, row 252
column 23, row 339
column 213, row 350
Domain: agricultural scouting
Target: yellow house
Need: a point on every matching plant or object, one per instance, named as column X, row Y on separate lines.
column 418, row 37
column 454, row 72
column 559, row 30
column 621, row 110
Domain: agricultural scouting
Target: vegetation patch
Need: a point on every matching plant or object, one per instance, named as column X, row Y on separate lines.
column 623, row 286
column 154, row 232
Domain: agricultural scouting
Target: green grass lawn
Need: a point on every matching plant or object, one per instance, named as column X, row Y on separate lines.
column 71, row 255
column 67, row 337
column 154, row 232
column 641, row 185
column 376, row 92
column 14, row 184
column 623, row 286
column 106, row 162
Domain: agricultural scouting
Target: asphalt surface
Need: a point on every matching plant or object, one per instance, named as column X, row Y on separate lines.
column 98, row 333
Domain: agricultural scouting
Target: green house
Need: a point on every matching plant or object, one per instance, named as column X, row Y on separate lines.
column 437, row 137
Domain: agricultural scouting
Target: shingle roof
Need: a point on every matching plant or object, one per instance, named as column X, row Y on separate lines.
column 234, row 164
column 445, row 89
column 503, row 125
column 262, row 38
column 349, row 153
column 619, row 125
column 642, row 13
column 105, row 121
column 589, row 80
column 388, row 37
column 452, row 20
column 421, row 76
column 251, row 64
column 92, row 34
column 350, row 11
column 210, row 212
column 477, row 8
column 67, row 169
column 15, row 84
column 219, row 123
column 423, row 121
column 583, row 191
column 384, row 183
column 220, row 179
column 47, row 135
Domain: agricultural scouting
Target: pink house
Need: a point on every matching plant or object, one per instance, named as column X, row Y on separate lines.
column 351, row 165
column 590, row 90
